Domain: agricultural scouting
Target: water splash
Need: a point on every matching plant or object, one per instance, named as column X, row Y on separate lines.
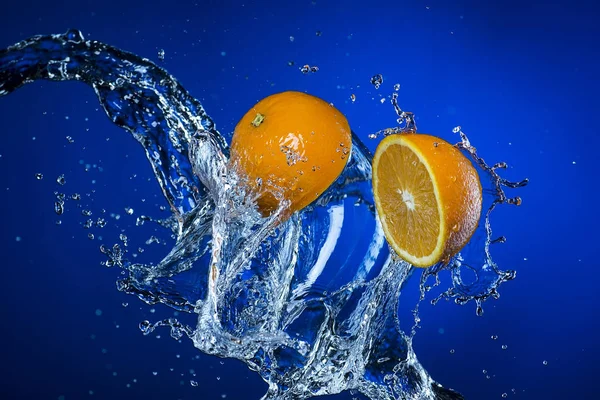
column 308, row 304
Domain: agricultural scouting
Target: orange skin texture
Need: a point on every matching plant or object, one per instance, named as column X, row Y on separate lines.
column 295, row 149
column 458, row 185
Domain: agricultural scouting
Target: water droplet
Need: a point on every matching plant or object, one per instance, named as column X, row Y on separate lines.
column 504, row 395
column 18, row 238
column 154, row 373
column 70, row 139
column 58, row 207
column 504, row 347
column 86, row 213
column 91, row 236
column 98, row 312
column 452, row 351
column 377, row 80
column 61, row 180
column 193, row 383
column 397, row 87
column 545, row 362
column 39, row 176
column 129, row 210
column 292, row 38
column 456, row 129
column 161, row 55
column 494, row 337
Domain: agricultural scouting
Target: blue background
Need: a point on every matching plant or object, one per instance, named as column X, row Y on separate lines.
column 519, row 77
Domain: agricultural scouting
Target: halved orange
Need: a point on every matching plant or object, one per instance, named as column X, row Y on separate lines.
column 428, row 197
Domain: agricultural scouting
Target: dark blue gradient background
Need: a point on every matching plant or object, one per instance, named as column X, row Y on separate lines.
column 520, row 77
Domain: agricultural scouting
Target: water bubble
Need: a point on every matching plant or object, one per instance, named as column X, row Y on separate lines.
column 86, row 213
column 101, row 223
column 39, row 176
column 484, row 372
column 396, row 87
column 451, row 351
column 91, row 236
column 61, row 180
column 318, row 33
column 76, row 196
column 193, row 383
column 504, row 395
column 504, row 347
column 456, row 129
column 494, row 337
column 88, row 224
column 154, row 373
column 70, row 139
column 545, row 362
column 161, row 55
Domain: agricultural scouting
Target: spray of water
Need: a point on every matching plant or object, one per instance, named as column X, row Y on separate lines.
column 310, row 304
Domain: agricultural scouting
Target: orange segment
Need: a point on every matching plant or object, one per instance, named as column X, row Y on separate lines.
column 292, row 146
column 428, row 197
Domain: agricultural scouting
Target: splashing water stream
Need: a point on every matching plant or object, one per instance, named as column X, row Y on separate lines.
column 309, row 304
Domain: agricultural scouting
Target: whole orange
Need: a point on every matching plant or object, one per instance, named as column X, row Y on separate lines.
column 291, row 146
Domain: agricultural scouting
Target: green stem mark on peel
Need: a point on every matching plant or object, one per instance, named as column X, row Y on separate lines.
column 258, row 120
